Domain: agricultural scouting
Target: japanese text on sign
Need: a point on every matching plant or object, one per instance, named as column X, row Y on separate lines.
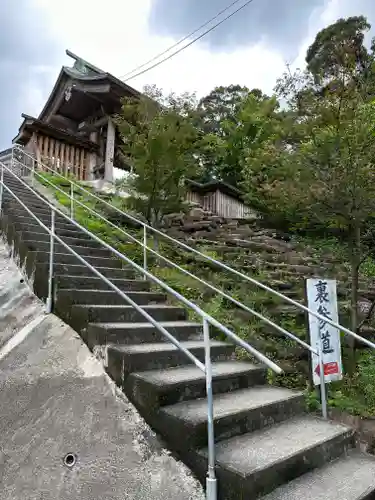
column 322, row 299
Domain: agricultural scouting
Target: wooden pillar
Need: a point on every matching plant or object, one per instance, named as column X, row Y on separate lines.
column 92, row 158
column 109, row 151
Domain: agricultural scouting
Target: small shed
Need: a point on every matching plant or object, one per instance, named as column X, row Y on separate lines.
column 220, row 198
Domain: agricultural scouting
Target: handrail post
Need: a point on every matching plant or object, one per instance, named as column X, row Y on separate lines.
column 71, row 200
column 144, row 249
column 211, row 481
column 51, row 257
column 32, row 171
column 1, row 188
column 323, row 394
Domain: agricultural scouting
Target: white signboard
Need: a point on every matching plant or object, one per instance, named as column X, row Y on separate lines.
column 322, row 299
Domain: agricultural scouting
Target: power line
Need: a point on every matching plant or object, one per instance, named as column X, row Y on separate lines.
column 180, row 41
column 191, row 43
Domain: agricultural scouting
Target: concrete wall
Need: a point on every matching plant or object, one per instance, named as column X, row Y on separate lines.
column 56, row 399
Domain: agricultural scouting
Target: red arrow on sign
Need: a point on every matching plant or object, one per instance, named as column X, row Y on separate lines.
column 329, row 368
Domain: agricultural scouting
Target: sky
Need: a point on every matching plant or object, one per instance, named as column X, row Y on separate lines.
column 251, row 49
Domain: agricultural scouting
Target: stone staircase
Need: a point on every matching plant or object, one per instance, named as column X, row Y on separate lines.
column 273, row 258
column 266, row 444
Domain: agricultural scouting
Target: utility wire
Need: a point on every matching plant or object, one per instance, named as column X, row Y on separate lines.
column 180, row 41
column 192, row 41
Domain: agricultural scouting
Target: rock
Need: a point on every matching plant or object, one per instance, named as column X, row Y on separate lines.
column 217, row 219
column 364, row 306
column 253, row 245
column 176, row 219
column 195, row 226
column 282, row 236
column 197, row 214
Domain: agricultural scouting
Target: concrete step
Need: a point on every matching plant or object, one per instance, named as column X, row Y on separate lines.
column 351, row 477
column 95, row 283
column 27, row 197
column 76, row 240
column 38, row 271
column 27, row 191
column 165, row 387
column 237, row 412
column 44, row 246
column 68, row 258
column 61, row 229
column 108, row 297
column 125, row 359
column 80, row 270
column 28, row 221
column 83, row 314
column 16, row 184
column 139, row 333
column 43, row 214
column 256, row 463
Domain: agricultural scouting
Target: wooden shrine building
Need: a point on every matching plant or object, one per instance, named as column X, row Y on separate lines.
column 75, row 133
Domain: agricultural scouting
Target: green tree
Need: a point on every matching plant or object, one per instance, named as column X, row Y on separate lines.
column 160, row 142
column 338, row 51
column 258, row 124
column 333, row 182
column 220, row 105
column 325, row 176
column 338, row 67
column 221, row 114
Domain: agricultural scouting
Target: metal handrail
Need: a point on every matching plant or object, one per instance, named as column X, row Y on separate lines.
column 149, row 318
column 211, row 481
column 316, row 352
column 181, row 269
column 206, row 257
column 206, row 318
column 156, row 280
column 176, row 266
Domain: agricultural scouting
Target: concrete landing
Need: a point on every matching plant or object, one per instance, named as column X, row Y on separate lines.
column 56, row 400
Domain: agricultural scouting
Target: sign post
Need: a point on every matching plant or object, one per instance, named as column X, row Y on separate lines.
column 322, row 299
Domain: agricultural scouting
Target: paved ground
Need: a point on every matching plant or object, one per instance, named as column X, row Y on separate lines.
column 56, row 400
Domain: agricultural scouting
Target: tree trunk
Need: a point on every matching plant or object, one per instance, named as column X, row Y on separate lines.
column 354, row 264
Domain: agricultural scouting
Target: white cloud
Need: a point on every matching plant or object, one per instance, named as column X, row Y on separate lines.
column 114, row 35
column 116, row 38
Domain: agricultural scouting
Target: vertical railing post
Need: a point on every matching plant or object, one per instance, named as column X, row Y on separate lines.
column 211, row 482
column 1, row 188
column 144, row 249
column 32, row 171
column 71, row 200
column 51, row 258
column 323, row 394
